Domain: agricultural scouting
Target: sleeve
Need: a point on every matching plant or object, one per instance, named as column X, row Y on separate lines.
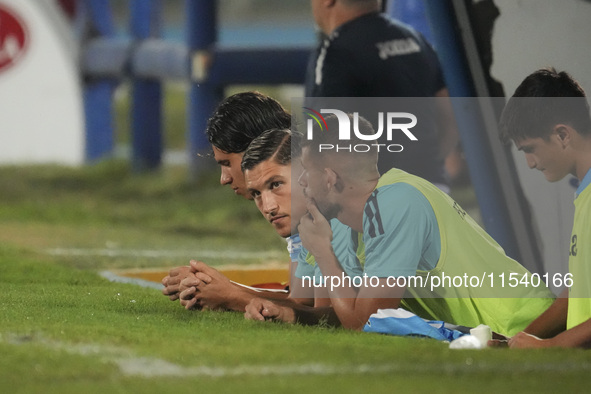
column 397, row 227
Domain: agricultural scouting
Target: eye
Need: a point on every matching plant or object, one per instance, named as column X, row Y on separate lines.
column 255, row 193
column 276, row 184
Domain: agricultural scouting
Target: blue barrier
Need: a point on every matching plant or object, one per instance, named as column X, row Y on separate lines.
column 146, row 106
column 147, row 60
column 98, row 91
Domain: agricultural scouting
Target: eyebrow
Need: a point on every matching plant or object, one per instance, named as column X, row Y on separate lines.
column 267, row 182
column 274, row 178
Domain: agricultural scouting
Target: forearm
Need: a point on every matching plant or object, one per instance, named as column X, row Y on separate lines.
column 342, row 295
column 240, row 296
column 553, row 321
column 352, row 305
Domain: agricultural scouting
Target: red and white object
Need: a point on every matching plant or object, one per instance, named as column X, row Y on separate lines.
column 41, row 105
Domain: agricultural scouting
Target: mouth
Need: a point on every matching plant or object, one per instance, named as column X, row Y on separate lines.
column 277, row 219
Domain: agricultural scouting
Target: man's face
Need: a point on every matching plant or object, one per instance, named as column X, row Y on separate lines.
column 548, row 156
column 269, row 184
column 314, row 181
column 231, row 172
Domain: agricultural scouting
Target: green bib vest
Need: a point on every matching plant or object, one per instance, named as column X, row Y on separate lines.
column 484, row 294
column 579, row 262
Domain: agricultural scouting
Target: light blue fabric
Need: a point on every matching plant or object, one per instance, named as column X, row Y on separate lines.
column 294, row 246
column 584, row 183
column 400, row 232
column 404, row 323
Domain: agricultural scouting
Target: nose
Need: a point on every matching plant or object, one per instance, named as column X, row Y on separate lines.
column 225, row 178
column 530, row 161
column 302, row 180
column 269, row 204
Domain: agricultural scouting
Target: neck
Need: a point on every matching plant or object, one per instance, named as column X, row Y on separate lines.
column 353, row 204
column 342, row 14
column 583, row 157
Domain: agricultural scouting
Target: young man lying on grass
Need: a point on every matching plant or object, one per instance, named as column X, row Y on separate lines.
column 237, row 121
column 267, row 166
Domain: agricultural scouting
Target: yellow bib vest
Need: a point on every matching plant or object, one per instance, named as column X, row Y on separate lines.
column 485, row 295
column 579, row 262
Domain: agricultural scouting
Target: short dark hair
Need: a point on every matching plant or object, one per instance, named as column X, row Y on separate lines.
column 544, row 99
column 242, row 117
column 280, row 145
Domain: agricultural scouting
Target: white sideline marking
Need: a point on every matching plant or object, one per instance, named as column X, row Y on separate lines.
column 134, row 281
column 199, row 254
column 149, row 367
column 146, row 367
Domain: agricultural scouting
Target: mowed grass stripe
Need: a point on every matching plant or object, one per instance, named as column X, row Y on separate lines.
column 158, row 254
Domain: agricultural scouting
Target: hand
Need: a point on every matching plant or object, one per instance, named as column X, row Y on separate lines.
column 172, row 281
column 498, row 343
column 315, row 231
column 523, row 340
column 213, row 290
column 189, row 292
column 261, row 309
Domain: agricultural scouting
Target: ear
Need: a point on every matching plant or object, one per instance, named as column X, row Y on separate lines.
column 564, row 133
column 332, row 179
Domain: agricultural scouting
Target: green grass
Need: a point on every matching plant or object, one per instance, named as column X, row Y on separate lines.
column 64, row 329
column 67, row 330
column 105, row 207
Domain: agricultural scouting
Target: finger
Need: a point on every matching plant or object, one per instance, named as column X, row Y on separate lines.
column 191, row 304
column 165, row 280
column 170, row 290
column 174, row 281
column 269, row 312
column 313, row 209
column 190, row 281
column 253, row 312
column 197, row 265
column 203, row 277
column 178, row 270
column 188, row 293
column 305, row 222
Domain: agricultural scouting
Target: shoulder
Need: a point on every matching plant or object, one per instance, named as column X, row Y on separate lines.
column 395, row 205
column 399, row 192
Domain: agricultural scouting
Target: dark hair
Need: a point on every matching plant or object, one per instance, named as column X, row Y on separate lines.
column 544, row 99
column 241, row 118
column 280, row 145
